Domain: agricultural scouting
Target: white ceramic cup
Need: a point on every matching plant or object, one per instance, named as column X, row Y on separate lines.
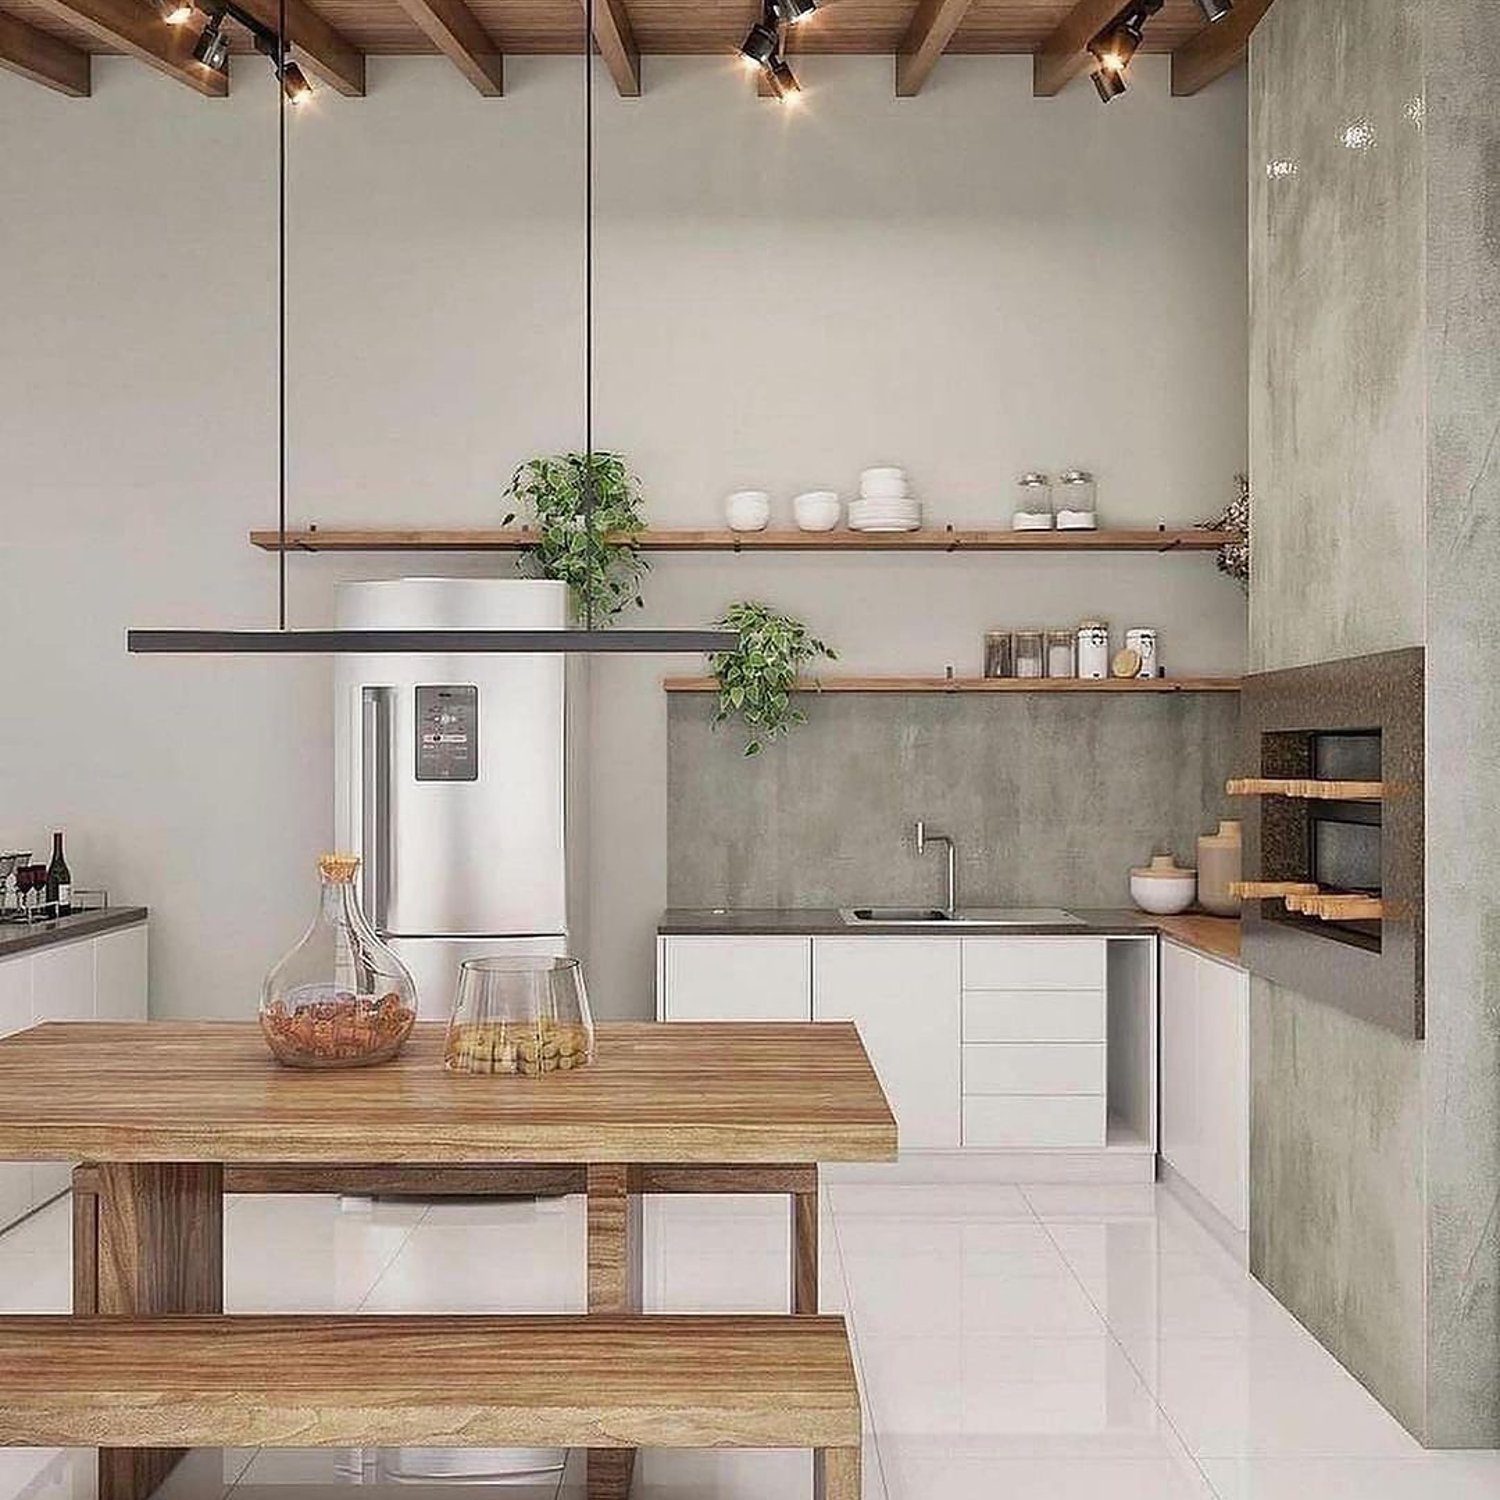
column 817, row 510
column 748, row 510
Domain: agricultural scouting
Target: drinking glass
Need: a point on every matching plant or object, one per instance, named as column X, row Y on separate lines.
column 519, row 1015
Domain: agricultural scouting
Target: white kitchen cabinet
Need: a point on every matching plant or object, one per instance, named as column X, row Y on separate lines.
column 1205, row 1104
column 62, row 982
column 734, row 978
column 120, row 975
column 1028, row 963
column 904, row 995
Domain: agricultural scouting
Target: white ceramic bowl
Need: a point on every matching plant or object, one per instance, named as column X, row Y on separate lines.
column 748, row 510
column 817, row 510
column 1164, row 895
column 884, row 489
column 874, row 481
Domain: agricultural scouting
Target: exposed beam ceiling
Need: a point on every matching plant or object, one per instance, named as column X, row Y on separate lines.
column 1217, row 48
column 1065, row 55
column 457, row 34
column 931, row 30
column 141, row 32
column 325, row 52
column 43, row 59
column 615, row 38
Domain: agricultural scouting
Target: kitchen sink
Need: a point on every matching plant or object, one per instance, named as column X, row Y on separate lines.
column 974, row 916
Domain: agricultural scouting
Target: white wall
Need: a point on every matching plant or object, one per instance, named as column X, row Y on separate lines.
column 970, row 283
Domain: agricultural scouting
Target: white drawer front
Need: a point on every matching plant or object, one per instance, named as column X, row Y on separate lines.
column 1025, row 1122
column 1035, row 1068
column 1034, row 963
column 1034, row 1016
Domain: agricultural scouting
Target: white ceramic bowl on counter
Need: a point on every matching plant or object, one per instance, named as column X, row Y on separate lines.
column 748, row 510
column 817, row 510
column 1162, row 888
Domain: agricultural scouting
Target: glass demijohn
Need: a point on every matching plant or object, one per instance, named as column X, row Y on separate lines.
column 340, row 998
column 520, row 1015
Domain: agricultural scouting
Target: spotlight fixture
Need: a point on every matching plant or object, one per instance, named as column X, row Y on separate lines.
column 783, row 81
column 176, row 12
column 1115, row 46
column 294, row 84
column 791, row 12
column 212, row 46
column 1215, row 10
column 762, row 44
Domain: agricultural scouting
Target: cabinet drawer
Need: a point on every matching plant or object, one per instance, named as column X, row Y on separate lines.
column 1034, row 963
column 1029, row 1121
column 1035, row 1068
column 1034, row 1016
column 736, row 979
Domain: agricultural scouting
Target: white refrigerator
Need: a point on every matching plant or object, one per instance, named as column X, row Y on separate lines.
column 452, row 779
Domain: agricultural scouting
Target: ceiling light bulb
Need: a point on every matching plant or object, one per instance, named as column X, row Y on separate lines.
column 294, row 84
column 761, row 45
column 177, row 14
column 1109, row 83
column 212, row 46
column 791, row 11
column 783, row 81
column 1215, row 10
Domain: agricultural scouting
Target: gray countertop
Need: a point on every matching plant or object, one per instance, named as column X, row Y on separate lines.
column 22, row 938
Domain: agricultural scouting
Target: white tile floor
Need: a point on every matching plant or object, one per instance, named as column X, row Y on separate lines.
column 1051, row 1342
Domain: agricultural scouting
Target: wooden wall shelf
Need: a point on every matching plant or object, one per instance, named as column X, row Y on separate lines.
column 1307, row 789
column 512, row 539
column 984, row 685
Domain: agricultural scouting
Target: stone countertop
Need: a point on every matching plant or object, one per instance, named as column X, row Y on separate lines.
column 1217, row 936
column 20, row 937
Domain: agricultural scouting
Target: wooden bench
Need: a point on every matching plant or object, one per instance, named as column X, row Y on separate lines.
column 178, row 1382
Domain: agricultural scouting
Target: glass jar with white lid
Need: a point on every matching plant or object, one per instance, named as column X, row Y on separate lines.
column 1076, row 502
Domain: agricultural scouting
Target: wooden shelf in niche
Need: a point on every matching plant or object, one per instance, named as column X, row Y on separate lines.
column 1307, row 789
column 947, row 539
column 1107, row 687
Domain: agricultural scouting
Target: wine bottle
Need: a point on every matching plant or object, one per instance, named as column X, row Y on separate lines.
column 59, row 879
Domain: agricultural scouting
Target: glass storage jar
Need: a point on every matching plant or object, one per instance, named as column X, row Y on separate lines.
column 1033, row 507
column 1031, row 653
column 1060, row 646
column 1093, row 649
column 999, row 654
column 1077, row 506
column 340, row 998
column 519, row 1015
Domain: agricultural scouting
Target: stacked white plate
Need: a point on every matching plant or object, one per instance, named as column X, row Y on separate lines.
column 885, row 503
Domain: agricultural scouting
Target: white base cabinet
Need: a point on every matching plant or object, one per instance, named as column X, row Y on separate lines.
column 91, row 978
column 734, row 979
column 1205, row 1062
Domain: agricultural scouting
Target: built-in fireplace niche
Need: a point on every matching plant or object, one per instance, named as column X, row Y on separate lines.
column 1334, row 845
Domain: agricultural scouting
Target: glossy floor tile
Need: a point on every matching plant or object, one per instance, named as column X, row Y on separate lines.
column 1058, row 1342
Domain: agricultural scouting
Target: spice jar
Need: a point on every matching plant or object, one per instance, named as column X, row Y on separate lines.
column 1060, row 649
column 1093, row 649
column 999, row 654
column 1076, row 505
column 340, row 998
column 1030, row 653
column 1033, row 503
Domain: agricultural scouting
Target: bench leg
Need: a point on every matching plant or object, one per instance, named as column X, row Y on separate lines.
column 805, row 1251
column 836, row 1474
column 615, row 1279
column 148, row 1238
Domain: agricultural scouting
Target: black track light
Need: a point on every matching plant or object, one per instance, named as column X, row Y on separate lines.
column 783, row 81
column 176, row 12
column 1215, row 10
column 791, row 11
column 212, row 46
column 1108, row 82
column 294, row 84
column 761, row 45
column 1115, row 46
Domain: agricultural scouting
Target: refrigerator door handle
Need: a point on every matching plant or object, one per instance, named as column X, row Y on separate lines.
column 376, row 753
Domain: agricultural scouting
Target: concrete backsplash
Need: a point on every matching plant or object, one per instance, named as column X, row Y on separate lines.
column 1051, row 799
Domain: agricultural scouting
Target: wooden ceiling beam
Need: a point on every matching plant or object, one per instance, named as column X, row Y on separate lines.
column 615, row 38
column 455, row 31
column 43, row 59
column 140, row 31
column 926, row 39
column 1065, row 54
column 1216, row 49
column 325, row 51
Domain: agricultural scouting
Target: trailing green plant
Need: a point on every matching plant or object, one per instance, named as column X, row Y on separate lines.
column 758, row 676
column 587, row 513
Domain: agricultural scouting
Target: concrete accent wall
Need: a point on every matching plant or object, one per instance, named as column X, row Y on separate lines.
column 1375, row 259
column 1462, row 1106
column 1051, row 800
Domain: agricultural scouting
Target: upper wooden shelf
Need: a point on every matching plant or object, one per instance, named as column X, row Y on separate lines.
column 946, row 539
column 983, row 685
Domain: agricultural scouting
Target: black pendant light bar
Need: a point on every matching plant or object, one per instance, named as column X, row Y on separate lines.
column 405, row 642
column 285, row 642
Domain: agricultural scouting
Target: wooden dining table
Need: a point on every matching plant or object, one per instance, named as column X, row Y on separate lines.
column 163, row 1116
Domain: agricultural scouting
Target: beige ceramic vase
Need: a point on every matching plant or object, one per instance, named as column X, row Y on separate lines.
column 1219, row 864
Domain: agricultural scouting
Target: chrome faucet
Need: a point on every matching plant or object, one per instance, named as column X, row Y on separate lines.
column 926, row 837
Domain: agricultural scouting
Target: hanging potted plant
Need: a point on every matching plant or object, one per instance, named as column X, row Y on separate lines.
column 759, row 675
column 586, row 510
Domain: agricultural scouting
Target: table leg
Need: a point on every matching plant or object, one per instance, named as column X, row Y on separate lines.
column 615, row 1275
column 148, row 1238
column 805, row 1250
column 836, row 1474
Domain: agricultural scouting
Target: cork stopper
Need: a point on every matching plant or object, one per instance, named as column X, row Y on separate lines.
column 337, row 869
